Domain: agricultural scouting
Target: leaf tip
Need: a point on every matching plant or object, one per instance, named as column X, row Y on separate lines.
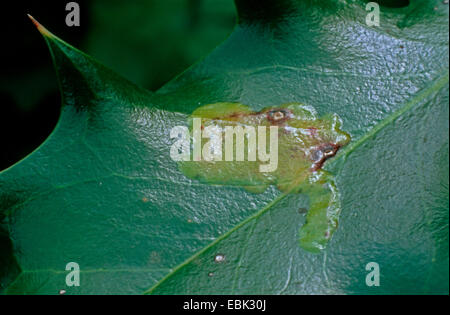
column 40, row 28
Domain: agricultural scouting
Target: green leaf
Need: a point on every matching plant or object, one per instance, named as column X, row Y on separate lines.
column 102, row 191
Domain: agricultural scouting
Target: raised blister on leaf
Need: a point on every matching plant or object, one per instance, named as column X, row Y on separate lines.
column 284, row 145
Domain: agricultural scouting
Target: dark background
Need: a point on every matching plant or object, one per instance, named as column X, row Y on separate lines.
column 147, row 41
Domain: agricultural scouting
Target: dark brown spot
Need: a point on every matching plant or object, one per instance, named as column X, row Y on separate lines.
column 278, row 116
column 323, row 153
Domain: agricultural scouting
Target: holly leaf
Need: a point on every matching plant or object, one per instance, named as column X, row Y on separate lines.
column 103, row 192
